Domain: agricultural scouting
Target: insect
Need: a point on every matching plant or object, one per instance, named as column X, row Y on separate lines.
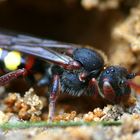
column 75, row 70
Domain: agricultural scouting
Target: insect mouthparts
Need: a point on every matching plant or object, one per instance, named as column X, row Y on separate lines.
column 106, row 84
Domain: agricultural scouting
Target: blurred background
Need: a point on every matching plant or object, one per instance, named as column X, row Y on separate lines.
column 77, row 21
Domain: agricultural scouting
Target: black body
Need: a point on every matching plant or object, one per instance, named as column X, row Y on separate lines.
column 91, row 62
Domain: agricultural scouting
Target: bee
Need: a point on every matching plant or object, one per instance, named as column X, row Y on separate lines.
column 73, row 69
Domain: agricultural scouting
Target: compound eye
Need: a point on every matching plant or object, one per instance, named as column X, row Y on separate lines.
column 112, row 70
column 107, row 72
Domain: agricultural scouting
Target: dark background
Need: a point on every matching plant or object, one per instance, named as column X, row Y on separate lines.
column 64, row 20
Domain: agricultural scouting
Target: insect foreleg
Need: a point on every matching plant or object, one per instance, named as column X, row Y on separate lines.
column 93, row 88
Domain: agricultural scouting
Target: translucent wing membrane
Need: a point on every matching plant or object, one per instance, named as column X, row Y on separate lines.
column 45, row 54
column 35, row 42
column 32, row 41
column 38, row 47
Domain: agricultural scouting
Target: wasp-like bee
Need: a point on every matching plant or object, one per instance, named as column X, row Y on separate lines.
column 73, row 69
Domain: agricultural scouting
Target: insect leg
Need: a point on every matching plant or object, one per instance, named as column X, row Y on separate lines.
column 11, row 75
column 52, row 97
column 93, row 87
